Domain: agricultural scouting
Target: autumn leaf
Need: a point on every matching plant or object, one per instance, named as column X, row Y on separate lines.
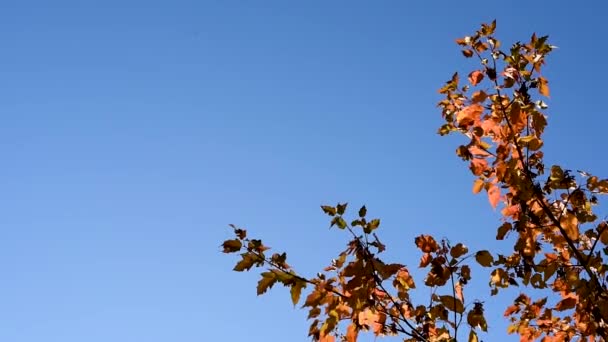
column 452, row 304
column 458, row 250
column 246, row 262
column 543, row 86
column 473, row 336
column 327, row 338
column 503, row 230
column 479, row 96
column 494, row 195
column 426, row 243
column 469, row 115
column 484, row 258
column 231, row 246
column 425, row 259
column 351, row 333
column 478, row 166
column 567, row 303
column 296, row 290
column 477, row 185
column 475, row 77
column 569, row 222
column 268, row 279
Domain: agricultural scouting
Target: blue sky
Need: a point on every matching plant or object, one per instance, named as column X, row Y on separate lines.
column 134, row 132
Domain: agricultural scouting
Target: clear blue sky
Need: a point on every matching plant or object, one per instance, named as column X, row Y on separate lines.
column 133, row 132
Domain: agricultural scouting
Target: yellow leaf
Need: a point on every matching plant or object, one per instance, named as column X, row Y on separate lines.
column 473, row 336
column 296, row 290
column 477, row 186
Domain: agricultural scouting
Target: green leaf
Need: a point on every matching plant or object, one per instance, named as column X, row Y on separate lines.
column 296, row 291
column 329, row 210
column 231, row 246
column 484, row 258
column 268, row 279
column 340, row 208
column 371, row 226
column 362, row 212
column 338, row 221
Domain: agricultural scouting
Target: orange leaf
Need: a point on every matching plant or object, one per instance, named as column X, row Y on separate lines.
column 478, row 151
column 351, row 333
column 478, row 166
column 426, row 243
column 569, row 222
column 468, row 115
column 511, row 310
column 543, row 86
column 494, row 195
column 475, row 77
column 327, row 338
column 425, row 259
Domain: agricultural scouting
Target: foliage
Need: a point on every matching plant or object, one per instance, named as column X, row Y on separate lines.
column 559, row 244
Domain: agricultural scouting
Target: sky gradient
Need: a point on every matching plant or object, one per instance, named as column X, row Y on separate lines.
column 134, row 132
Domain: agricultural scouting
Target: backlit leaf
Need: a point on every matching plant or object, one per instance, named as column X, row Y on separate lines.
column 296, row 290
column 569, row 222
column 478, row 185
column 543, row 86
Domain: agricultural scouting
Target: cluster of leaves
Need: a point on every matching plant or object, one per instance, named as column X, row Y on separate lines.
column 560, row 243
column 360, row 292
column 560, row 246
